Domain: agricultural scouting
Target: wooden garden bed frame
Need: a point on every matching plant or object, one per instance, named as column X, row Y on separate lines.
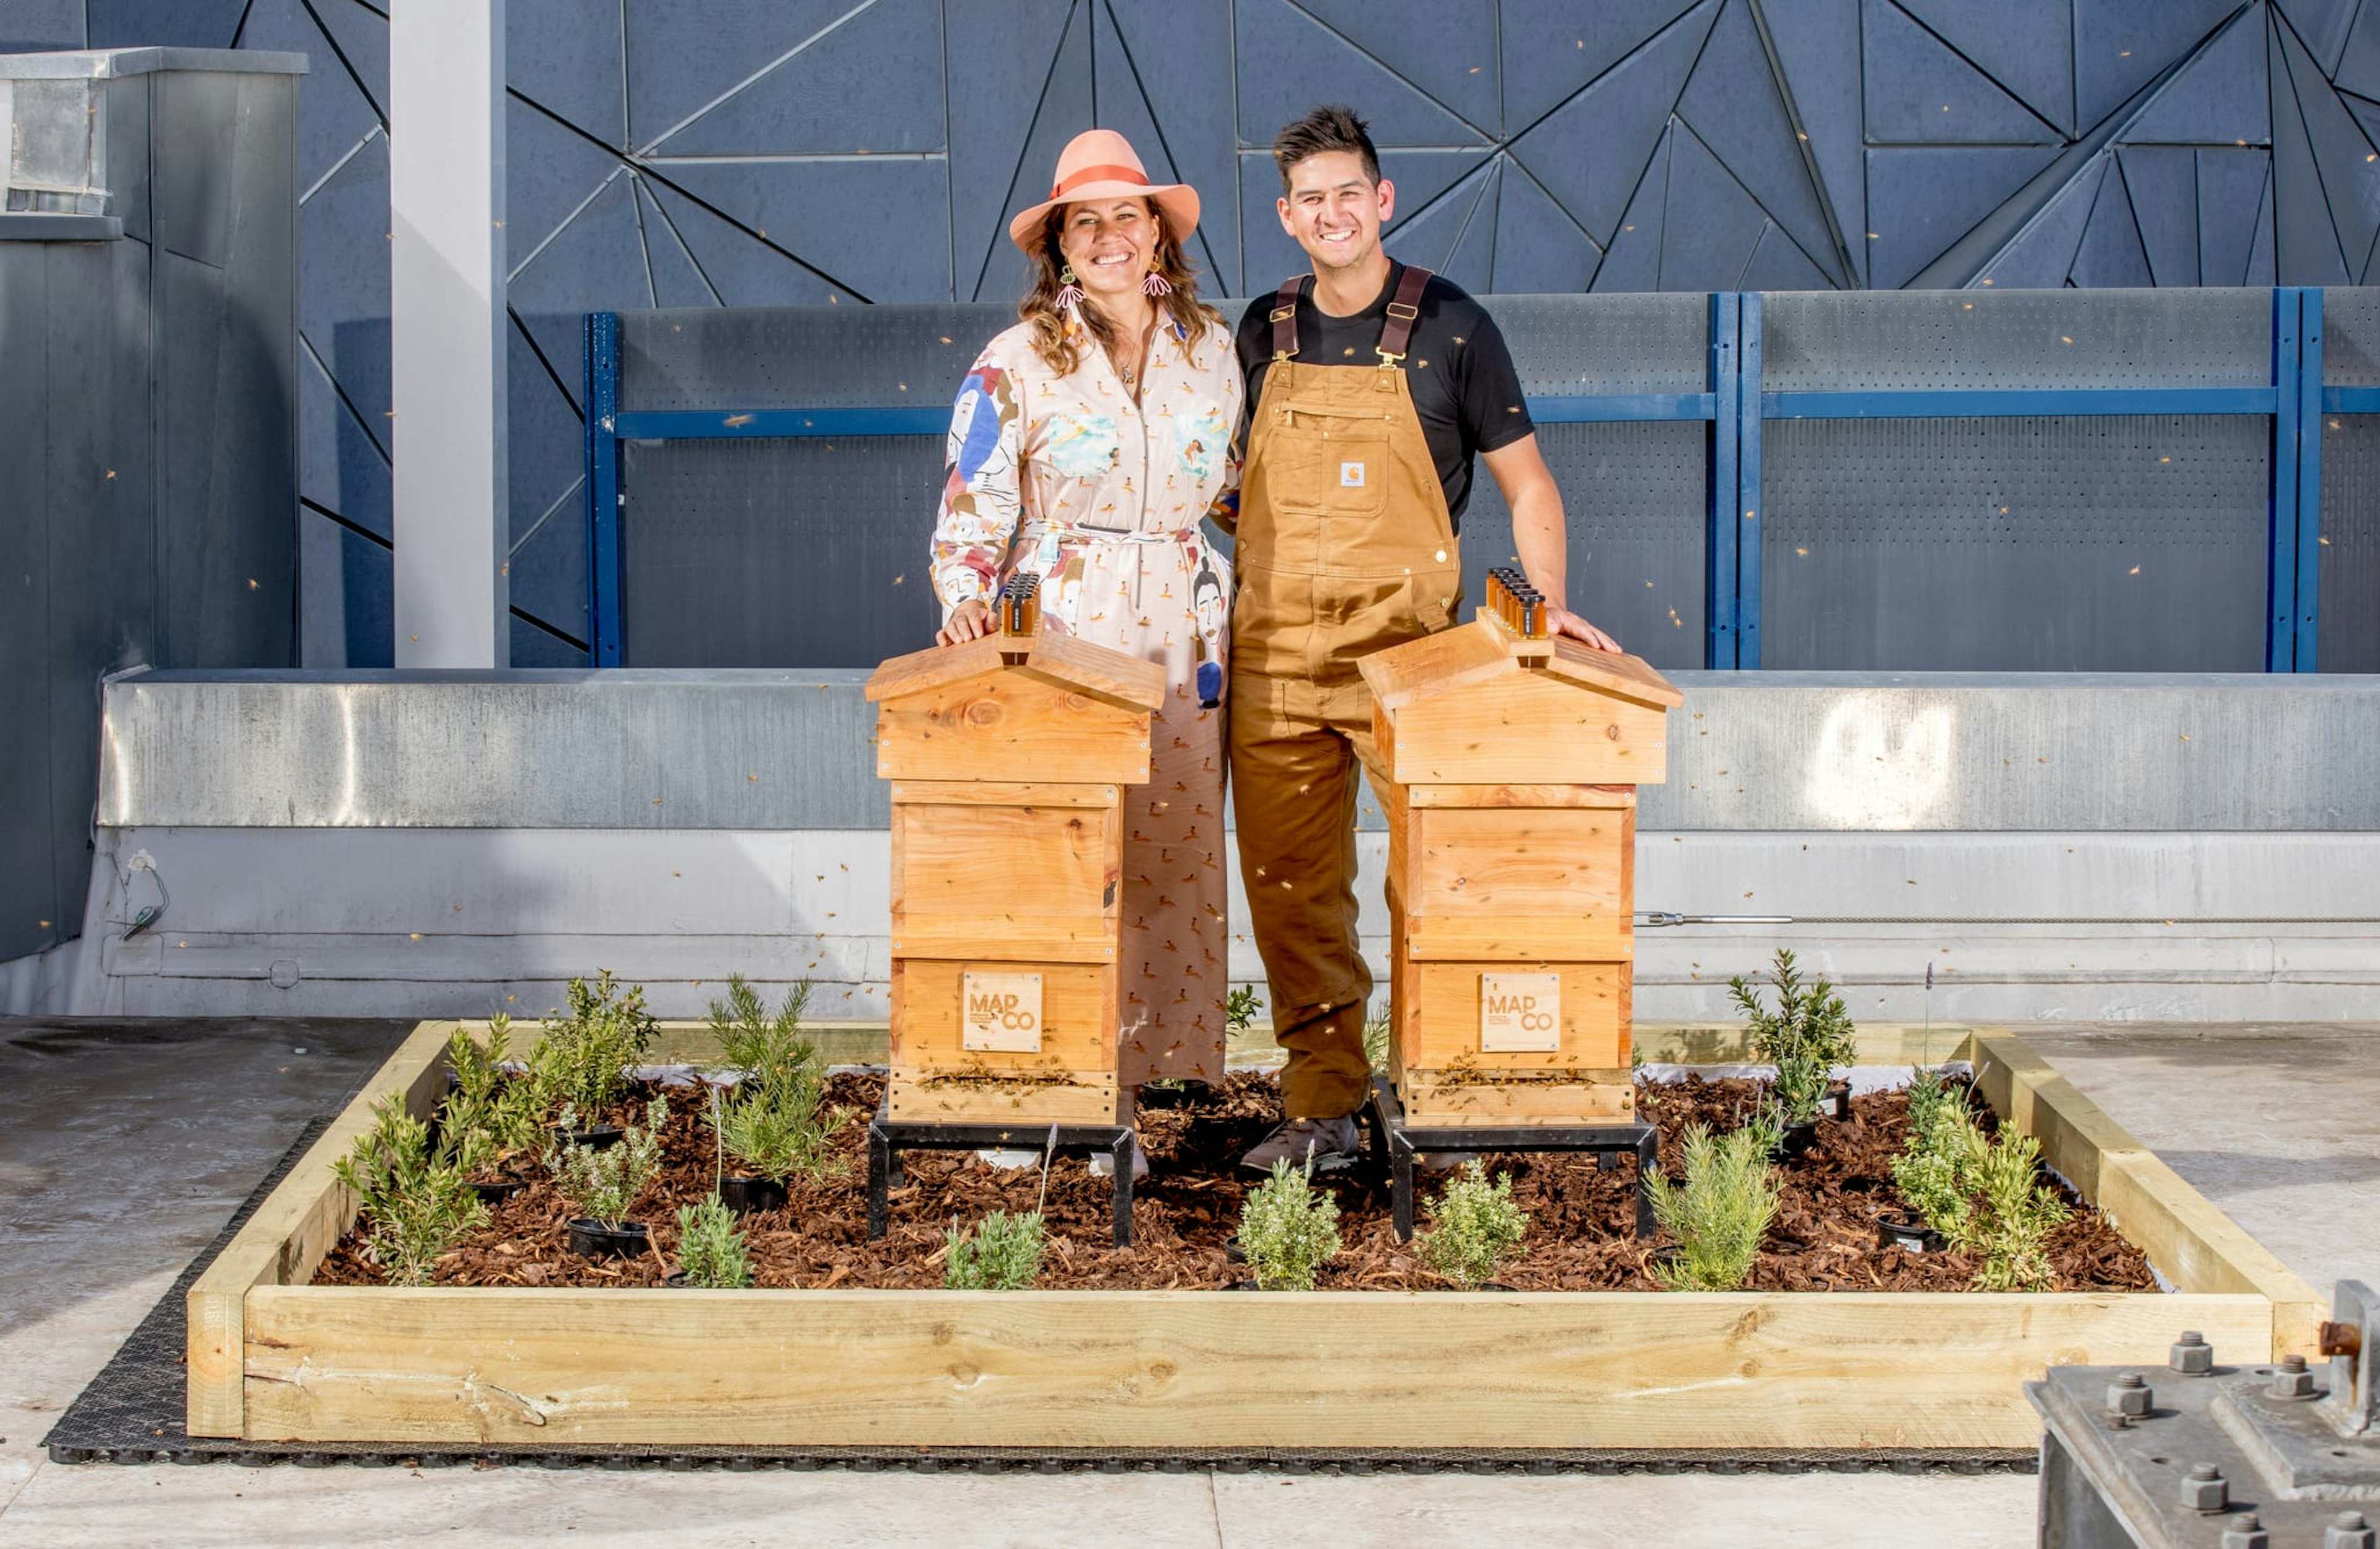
column 272, row 1358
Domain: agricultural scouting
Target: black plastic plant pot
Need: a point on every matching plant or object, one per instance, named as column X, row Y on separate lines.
column 1794, row 1143
column 609, row 1239
column 1669, row 1255
column 1908, row 1233
column 500, row 1190
column 602, row 1135
column 1839, row 1094
column 745, row 1195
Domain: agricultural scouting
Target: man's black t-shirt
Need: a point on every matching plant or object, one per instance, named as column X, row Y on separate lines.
column 1461, row 375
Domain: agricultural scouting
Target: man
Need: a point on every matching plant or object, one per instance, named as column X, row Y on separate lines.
column 1370, row 387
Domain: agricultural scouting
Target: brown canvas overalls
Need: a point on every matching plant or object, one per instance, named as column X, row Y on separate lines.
column 1344, row 548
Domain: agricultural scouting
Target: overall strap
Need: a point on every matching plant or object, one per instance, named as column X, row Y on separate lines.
column 1284, row 318
column 1403, row 309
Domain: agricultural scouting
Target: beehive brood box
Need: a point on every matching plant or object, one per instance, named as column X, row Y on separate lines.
column 1507, row 767
column 1008, row 758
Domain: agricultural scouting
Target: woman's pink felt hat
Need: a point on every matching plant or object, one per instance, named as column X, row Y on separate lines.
column 1101, row 164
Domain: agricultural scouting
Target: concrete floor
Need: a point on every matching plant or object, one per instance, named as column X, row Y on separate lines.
column 125, row 1146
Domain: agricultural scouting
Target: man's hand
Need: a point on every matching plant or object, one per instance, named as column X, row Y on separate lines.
column 970, row 620
column 1561, row 622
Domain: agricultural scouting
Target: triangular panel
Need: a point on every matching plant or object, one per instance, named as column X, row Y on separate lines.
column 545, row 438
column 342, row 284
column 2027, row 46
column 1443, row 47
column 533, row 647
column 1778, row 264
column 2322, row 26
column 1921, row 199
column 677, row 279
column 333, row 115
column 1817, row 48
column 1287, row 62
column 340, row 466
column 549, row 172
column 684, row 54
column 2163, row 182
column 2350, row 173
column 362, row 33
column 1591, row 154
column 1710, row 224
column 2119, row 46
column 745, row 271
column 2263, row 256
column 833, row 215
column 161, row 23
column 1472, row 264
column 595, row 263
column 1268, row 256
column 1429, row 239
column 565, row 55
column 549, row 570
column 1553, row 48
column 2230, row 199
column 1633, row 259
column 872, row 85
column 1732, row 103
column 346, row 595
column 1139, row 51
column 2111, row 255
column 2359, row 64
column 1030, row 94
column 1424, row 178
column 2220, row 98
column 1539, row 249
column 1920, row 91
column 2042, row 254
column 2305, row 244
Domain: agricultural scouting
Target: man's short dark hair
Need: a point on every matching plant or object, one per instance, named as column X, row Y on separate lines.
column 1327, row 129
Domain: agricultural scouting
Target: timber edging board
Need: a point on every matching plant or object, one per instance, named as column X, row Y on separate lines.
column 274, row 1359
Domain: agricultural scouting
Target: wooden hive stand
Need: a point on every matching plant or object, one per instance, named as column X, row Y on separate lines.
column 1008, row 759
column 1507, row 764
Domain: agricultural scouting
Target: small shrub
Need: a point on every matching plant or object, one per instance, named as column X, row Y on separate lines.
column 1002, row 1254
column 1475, row 1229
column 1720, row 1212
column 602, row 1184
column 2015, row 1213
column 417, row 1205
column 489, row 1115
column 1376, row 1042
column 1240, row 1008
column 711, row 1250
column 1808, row 1034
column 1936, row 1169
column 767, row 1048
column 781, row 1132
column 1288, row 1230
column 583, row 1058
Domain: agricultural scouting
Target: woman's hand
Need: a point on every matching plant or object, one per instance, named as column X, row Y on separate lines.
column 970, row 620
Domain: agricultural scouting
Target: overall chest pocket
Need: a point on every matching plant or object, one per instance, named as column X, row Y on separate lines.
column 1327, row 464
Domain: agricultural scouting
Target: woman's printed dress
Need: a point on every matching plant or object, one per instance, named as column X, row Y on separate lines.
column 1067, row 478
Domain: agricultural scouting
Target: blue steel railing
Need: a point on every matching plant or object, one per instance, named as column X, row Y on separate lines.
column 1734, row 404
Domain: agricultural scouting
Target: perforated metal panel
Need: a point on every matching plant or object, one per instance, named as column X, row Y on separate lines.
column 1577, row 345
column 2348, row 624
column 1634, row 497
column 1952, row 339
column 777, row 552
column 2350, row 336
column 2050, row 544
column 801, row 358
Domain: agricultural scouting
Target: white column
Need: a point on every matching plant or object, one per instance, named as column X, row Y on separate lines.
column 447, row 295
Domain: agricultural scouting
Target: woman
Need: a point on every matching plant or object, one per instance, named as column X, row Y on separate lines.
column 1088, row 442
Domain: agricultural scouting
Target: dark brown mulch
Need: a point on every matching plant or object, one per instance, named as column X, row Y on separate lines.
column 1581, row 1219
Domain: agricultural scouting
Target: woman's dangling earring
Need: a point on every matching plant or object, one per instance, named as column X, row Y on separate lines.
column 1069, row 291
column 1156, row 285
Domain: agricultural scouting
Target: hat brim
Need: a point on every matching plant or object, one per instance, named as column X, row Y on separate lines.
column 1176, row 204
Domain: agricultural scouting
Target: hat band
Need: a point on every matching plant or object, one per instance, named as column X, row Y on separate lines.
column 1110, row 173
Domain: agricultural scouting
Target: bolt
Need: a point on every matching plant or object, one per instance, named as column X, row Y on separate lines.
column 2244, row 1532
column 2291, row 1380
column 2205, row 1489
column 2192, row 1355
column 2130, row 1395
column 2347, row 1531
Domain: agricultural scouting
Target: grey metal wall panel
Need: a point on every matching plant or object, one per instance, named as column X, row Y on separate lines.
column 29, row 909
column 796, row 553
column 2347, row 626
column 1572, row 345
column 778, row 358
column 2099, row 543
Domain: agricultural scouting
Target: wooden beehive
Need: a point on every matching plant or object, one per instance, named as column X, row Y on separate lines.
column 1008, row 759
column 1507, row 766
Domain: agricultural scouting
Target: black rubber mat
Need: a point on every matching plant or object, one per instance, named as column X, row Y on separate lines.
column 133, row 1412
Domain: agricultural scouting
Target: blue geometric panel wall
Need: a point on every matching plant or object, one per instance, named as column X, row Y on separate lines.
column 704, row 153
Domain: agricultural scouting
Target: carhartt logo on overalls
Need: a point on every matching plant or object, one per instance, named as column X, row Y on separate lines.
column 1351, row 476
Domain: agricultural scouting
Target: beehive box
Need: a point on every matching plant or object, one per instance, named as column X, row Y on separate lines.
column 1507, row 767
column 1008, row 760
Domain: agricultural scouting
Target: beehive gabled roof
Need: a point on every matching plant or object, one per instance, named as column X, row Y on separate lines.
column 1097, row 672
column 1482, row 651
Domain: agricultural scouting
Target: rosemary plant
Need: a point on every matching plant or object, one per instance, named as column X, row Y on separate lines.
column 1476, row 1230
column 418, row 1204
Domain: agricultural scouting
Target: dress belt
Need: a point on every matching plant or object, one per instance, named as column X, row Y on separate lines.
column 1107, row 535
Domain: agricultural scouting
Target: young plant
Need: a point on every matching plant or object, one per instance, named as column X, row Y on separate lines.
column 1936, row 1171
column 582, row 1059
column 1720, row 1212
column 418, row 1204
column 779, row 1131
column 602, row 1184
column 489, row 1115
column 1806, row 1037
column 1376, row 1042
column 2015, row 1213
column 1003, row 1254
column 711, row 1250
column 767, row 1048
column 1240, row 1008
column 1288, row 1230
column 1475, row 1230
